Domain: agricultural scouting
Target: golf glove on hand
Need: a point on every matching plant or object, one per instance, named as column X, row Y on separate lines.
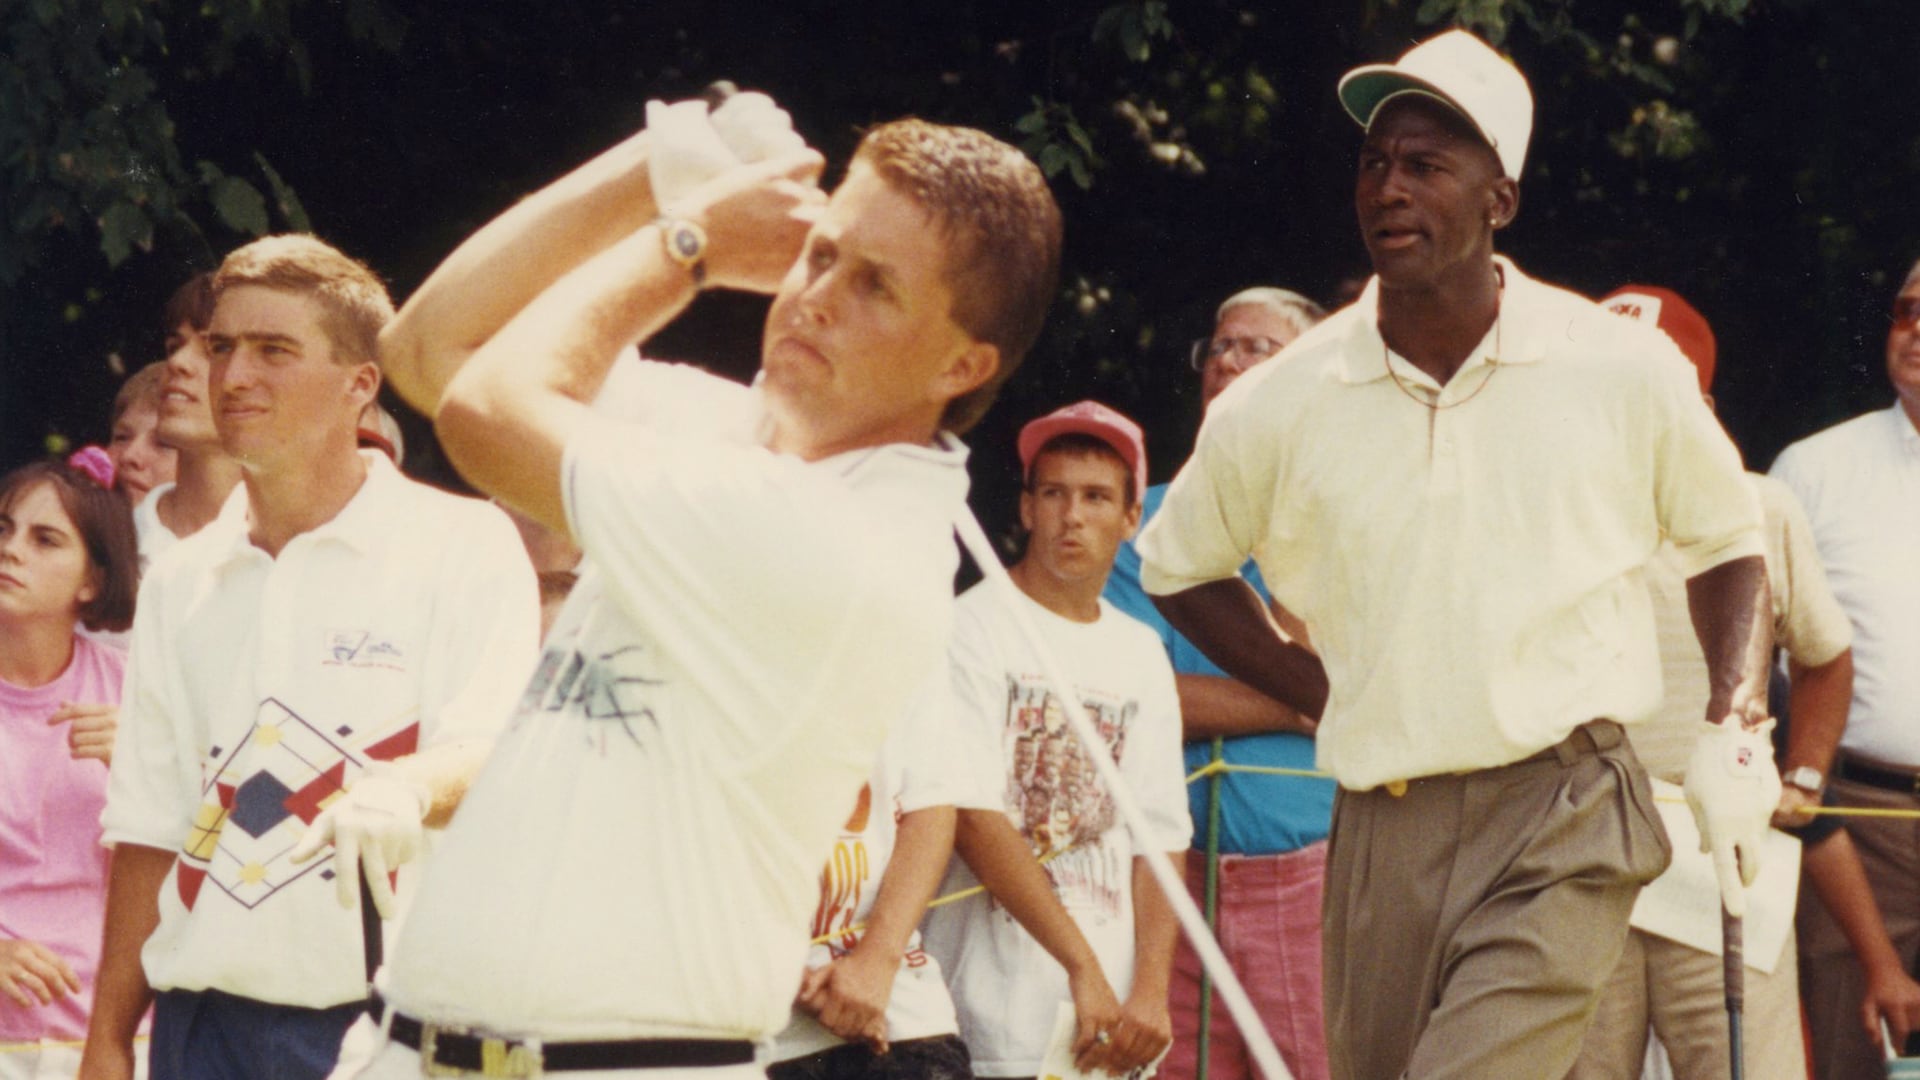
column 376, row 823
column 1732, row 788
column 684, row 150
column 754, row 128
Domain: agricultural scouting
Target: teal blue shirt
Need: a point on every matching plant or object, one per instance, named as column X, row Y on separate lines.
column 1259, row 815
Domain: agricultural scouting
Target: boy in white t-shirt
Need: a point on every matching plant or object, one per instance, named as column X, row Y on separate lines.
column 1085, row 467
column 870, row 989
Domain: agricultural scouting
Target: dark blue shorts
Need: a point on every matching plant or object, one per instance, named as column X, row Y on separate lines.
column 939, row 1057
column 208, row 1035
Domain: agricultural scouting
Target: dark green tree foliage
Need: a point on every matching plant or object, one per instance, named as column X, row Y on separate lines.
column 1751, row 153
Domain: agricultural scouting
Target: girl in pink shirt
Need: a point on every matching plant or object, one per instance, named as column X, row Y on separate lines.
column 67, row 558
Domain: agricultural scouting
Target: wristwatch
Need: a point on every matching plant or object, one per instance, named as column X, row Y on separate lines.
column 1806, row 778
column 686, row 244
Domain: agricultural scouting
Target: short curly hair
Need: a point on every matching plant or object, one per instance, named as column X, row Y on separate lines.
column 1003, row 230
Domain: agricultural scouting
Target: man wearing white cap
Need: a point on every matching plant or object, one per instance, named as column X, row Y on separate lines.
column 1453, row 483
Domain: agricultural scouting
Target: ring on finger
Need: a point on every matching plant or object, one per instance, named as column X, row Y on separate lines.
column 1102, row 1037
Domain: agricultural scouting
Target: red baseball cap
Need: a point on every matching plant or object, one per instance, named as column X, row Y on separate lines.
column 1088, row 418
column 1666, row 309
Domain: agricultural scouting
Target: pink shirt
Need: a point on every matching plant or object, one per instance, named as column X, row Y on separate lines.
column 53, row 871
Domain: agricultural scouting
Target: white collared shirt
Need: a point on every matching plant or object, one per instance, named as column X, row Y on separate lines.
column 1466, row 571
column 641, row 855
column 154, row 537
column 259, row 686
column 1860, row 484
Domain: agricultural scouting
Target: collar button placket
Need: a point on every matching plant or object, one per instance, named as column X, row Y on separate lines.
column 277, row 613
column 1443, row 472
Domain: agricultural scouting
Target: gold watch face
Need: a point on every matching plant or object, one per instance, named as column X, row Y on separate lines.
column 685, row 241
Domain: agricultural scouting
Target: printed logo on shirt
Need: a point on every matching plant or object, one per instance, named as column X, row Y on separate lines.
column 262, row 793
column 614, row 691
column 1055, row 795
column 363, row 649
column 849, row 871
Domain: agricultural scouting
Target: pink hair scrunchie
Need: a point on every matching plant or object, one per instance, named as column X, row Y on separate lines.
column 95, row 463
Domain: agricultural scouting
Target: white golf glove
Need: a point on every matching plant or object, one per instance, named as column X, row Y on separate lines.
column 375, row 823
column 755, row 128
column 1733, row 788
column 690, row 146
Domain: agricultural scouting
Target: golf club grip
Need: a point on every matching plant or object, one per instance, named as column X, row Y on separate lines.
column 372, row 943
column 1733, row 955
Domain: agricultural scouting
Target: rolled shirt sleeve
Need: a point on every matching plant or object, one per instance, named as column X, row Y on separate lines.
column 1215, row 512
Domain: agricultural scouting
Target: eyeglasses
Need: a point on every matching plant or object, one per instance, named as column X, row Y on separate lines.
column 1256, row 348
column 1906, row 312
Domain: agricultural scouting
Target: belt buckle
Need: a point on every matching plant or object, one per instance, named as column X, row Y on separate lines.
column 498, row 1056
column 502, row 1057
column 429, row 1040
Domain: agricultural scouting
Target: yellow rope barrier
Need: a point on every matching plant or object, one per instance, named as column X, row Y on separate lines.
column 938, row 901
column 1213, row 768
column 1830, row 811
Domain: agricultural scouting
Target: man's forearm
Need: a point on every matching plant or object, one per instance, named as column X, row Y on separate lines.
column 121, row 994
column 921, row 849
column 1155, row 929
column 1833, row 869
column 500, row 269
column 1227, row 621
column 504, row 417
column 444, row 771
column 1000, row 858
column 1212, row 705
column 1818, row 703
column 1731, row 610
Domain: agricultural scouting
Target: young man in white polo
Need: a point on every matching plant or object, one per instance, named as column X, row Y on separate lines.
column 767, row 580
column 1085, row 468
column 329, row 657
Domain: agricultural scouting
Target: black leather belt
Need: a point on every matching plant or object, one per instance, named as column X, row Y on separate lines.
column 1902, row 780
column 452, row 1051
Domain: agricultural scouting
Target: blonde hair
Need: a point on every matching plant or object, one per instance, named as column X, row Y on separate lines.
column 354, row 306
column 143, row 387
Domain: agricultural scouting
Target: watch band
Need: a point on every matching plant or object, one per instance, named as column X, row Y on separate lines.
column 1806, row 778
column 686, row 245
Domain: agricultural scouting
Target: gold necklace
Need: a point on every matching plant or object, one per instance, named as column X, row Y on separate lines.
column 1433, row 406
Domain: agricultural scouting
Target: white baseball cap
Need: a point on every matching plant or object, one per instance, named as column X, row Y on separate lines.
column 1462, row 72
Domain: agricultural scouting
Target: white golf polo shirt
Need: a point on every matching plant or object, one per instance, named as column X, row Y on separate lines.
column 641, row 855
column 258, row 687
column 1463, row 557
column 1860, row 484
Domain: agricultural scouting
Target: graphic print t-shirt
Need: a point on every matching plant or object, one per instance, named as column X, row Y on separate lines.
column 1004, row 984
